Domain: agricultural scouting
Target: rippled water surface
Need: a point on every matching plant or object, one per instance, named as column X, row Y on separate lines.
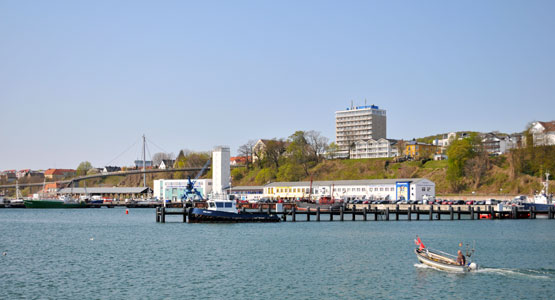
column 106, row 254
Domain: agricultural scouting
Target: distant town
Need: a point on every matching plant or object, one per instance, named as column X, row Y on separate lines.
column 361, row 133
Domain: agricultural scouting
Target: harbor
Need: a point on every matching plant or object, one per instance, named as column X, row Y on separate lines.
column 371, row 212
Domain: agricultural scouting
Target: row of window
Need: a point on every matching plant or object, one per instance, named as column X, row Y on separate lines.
column 314, row 190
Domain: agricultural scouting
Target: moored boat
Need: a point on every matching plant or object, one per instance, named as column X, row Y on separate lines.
column 222, row 210
column 441, row 260
column 221, row 207
column 63, row 202
column 543, row 200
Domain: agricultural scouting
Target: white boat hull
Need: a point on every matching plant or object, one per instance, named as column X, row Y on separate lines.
column 440, row 265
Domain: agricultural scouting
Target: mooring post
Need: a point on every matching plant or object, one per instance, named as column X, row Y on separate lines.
column 409, row 215
column 157, row 214
column 189, row 214
column 353, row 212
column 550, row 213
column 431, row 212
column 375, row 213
column 491, row 212
column 472, row 213
column 458, row 213
column 331, row 214
column 532, row 212
column 418, row 213
column 163, row 215
column 364, row 213
column 293, row 214
column 341, row 209
column 478, row 210
column 439, row 212
column 318, row 214
column 308, row 214
column 513, row 212
column 184, row 215
column 451, row 212
column 397, row 212
column 387, row 213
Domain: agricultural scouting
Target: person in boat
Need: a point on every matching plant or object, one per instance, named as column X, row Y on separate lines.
column 461, row 260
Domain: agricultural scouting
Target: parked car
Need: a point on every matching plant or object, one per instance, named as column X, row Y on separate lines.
column 459, row 202
column 470, row 202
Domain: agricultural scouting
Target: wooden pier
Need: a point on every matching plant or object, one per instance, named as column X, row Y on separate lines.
column 370, row 212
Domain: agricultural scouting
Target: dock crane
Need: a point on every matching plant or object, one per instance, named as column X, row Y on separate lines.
column 190, row 191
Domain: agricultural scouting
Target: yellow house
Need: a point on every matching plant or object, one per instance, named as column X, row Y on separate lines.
column 418, row 150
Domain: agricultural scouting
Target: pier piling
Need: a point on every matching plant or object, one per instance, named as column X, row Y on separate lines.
column 341, row 209
column 364, row 213
column 318, row 214
column 308, row 214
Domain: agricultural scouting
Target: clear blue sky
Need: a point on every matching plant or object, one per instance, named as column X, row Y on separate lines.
column 83, row 80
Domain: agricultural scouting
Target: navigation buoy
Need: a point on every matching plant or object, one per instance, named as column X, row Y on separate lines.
column 126, row 211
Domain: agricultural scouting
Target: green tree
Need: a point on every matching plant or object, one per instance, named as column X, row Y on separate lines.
column 290, row 172
column 457, row 154
column 265, row 175
column 300, row 152
column 333, row 150
column 83, row 168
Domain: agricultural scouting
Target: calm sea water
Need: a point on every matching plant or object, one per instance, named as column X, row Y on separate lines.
column 106, row 254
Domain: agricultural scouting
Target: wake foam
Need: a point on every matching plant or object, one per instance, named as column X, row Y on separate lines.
column 536, row 274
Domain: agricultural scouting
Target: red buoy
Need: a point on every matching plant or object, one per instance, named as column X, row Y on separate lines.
column 126, row 211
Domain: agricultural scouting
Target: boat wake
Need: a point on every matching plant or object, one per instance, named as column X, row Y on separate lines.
column 545, row 274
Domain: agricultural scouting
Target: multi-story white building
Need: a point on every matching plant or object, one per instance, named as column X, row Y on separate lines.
column 375, row 189
column 360, row 123
column 543, row 133
column 175, row 189
column 495, row 144
column 375, row 148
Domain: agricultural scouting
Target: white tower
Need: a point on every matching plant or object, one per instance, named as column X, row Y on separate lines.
column 221, row 174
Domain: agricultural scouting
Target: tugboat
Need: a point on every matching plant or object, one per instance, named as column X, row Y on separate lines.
column 221, row 207
column 542, row 201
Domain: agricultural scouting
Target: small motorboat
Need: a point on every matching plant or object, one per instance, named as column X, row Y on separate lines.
column 443, row 261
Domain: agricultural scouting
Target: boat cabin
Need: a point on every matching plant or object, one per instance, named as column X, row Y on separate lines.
column 226, row 205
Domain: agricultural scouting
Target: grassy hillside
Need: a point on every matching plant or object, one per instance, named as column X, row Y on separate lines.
column 497, row 178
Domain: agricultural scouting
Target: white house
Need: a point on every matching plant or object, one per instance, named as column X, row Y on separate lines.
column 166, row 164
column 367, row 189
column 543, row 133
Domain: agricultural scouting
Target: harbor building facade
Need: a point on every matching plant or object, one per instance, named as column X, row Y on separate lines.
column 367, row 189
column 359, row 123
column 175, row 189
column 247, row 193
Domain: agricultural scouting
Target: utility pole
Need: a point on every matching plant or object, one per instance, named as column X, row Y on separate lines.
column 144, row 161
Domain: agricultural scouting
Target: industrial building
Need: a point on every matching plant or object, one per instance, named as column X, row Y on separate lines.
column 175, row 189
column 368, row 189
